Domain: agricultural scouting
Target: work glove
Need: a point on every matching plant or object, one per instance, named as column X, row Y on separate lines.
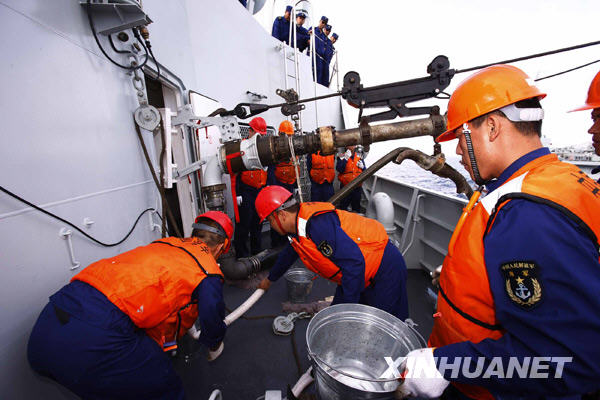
column 239, row 200
column 215, row 352
column 346, row 155
column 435, row 276
column 427, row 381
column 265, row 284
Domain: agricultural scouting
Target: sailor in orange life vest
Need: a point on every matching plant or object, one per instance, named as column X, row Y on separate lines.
column 350, row 165
column 352, row 251
column 593, row 103
column 248, row 184
column 521, row 278
column 104, row 335
column 284, row 175
column 322, row 173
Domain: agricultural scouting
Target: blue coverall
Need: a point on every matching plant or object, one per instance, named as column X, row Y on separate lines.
column 276, row 239
column 319, row 48
column 281, row 29
column 84, row 342
column 249, row 220
column 352, row 199
column 327, row 56
column 318, row 191
column 566, row 322
column 387, row 291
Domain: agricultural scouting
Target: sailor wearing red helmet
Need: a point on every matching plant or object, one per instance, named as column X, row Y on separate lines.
column 104, row 334
column 346, row 248
column 247, row 185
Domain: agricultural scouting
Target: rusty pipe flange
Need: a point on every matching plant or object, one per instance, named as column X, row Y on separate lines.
column 365, row 132
column 326, row 138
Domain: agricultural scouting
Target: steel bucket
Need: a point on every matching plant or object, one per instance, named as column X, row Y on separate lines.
column 347, row 344
column 299, row 284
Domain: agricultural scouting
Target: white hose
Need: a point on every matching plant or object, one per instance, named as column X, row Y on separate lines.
column 216, row 395
column 305, row 380
column 238, row 312
column 235, row 314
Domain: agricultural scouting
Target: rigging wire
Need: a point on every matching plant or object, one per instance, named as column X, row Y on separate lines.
column 546, row 53
column 460, row 71
column 13, row 195
column 566, row 71
column 93, row 28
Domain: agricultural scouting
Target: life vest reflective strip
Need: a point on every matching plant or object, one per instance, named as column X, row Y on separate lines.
column 286, row 173
column 153, row 284
column 368, row 234
column 322, row 168
column 352, row 170
column 256, row 178
column 466, row 310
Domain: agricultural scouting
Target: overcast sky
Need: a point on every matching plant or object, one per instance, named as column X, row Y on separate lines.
column 393, row 40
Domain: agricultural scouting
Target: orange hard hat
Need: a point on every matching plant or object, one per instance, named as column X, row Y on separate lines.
column 286, row 127
column 593, row 98
column 270, row 199
column 487, row 90
column 259, row 125
column 220, row 218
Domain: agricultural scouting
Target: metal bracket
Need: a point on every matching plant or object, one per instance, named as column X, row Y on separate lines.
column 66, row 233
column 228, row 125
column 180, row 173
column 113, row 16
column 396, row 95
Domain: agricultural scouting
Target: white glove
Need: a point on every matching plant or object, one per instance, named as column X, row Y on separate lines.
column 214, row 354
column 239, row 200
column 194, row 332
column 435, row 276
column 421, row 376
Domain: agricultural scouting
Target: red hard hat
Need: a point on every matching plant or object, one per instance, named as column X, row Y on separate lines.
column 270, row 199
column 286, row 127
column 593, row 98
column 223, row 220
column 259, row 125
column 487, row 90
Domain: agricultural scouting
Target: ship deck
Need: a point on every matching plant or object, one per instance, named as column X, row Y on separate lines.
column 255, row 359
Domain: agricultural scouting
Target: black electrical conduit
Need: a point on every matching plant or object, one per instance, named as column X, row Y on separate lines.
column 48, row 213
column 429, row 163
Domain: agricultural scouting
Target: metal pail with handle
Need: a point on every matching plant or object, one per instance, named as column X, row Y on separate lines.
column 348, row 345
column 299, row 284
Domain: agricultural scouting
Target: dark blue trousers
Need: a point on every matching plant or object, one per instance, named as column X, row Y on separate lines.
column 387, row 290
column 320, row 192
column 352, row 199
column 249, row 224
column 94, row 349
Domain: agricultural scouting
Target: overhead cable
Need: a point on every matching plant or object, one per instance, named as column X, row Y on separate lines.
column 30, row 204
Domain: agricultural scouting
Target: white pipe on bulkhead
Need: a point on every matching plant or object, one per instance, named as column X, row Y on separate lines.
column 384, row 211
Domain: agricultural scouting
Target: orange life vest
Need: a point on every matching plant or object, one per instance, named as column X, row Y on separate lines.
column 322, row 168
column 286, row 173
column 352, row 170
column 153, row 284
column 465, row 310
column 256, row 178
column 368, row 234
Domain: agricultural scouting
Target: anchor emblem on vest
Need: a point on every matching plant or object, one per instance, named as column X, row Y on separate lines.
column 522, row 292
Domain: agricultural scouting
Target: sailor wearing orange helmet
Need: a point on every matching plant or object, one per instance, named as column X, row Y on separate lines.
column 349, row 166
column 104, row 334
column 593, row 103
column 284, row 175
column 348, row 249
column 521, row 278
column 247, row 185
